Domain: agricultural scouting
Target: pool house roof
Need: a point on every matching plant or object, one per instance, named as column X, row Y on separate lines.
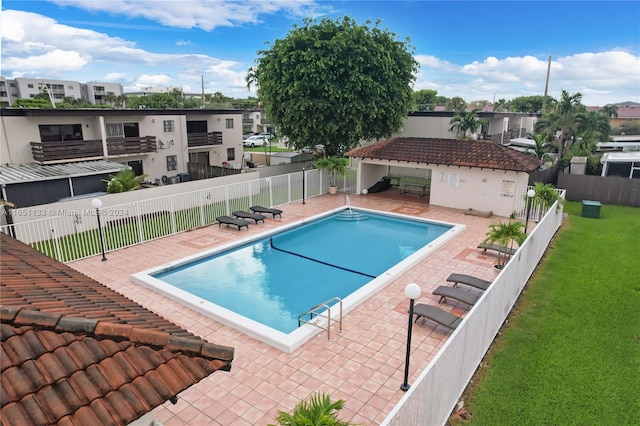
column 449, row 152
column 77, row 352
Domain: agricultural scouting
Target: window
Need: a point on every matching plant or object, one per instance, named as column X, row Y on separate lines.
column 70, row 87
column 60, row 132
column 172, row 162
column 197, row 126
column 114, row 130
column 122, row 130
column 231, row 154
column 229, row 123
column 30, row 86
column 169, row 126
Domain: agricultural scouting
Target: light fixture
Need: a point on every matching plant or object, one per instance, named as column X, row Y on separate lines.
column 530, row 194
column 412, row 291
column 96, row 203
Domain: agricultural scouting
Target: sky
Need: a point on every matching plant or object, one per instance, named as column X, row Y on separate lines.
column 477, row 50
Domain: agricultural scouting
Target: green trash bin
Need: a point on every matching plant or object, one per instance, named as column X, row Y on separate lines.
column 591, row 209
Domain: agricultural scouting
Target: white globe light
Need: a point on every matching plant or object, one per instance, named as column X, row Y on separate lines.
column 365, row 191
column 96, row 203
column 531, row 193
column 412, row 291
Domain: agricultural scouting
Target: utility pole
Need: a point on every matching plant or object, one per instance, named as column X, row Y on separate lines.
column 202, row 85
column 546, row 86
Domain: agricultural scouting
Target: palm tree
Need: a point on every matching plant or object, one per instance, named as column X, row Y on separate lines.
column 562, row 119
column 592, row 126
column 320, row 411
column 125, row 180
column 610, row 111
column 542, row 146
column 465, row 122
column 505, row 235
column 110, row 98
column 334, row 166
column 546, row 195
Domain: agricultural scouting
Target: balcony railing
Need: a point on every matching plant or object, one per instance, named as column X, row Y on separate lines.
column 131, row 145
column 64, row 151
column 247, row 121
column 204, row 139
column 51, row 152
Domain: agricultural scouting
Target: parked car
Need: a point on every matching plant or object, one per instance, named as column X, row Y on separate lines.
column 267, row 135
column 255, row 140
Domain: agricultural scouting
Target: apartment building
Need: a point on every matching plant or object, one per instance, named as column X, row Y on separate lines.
column 25, row 88
column 157, row 143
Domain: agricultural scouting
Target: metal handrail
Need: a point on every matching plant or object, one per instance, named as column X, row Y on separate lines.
column 314, row 310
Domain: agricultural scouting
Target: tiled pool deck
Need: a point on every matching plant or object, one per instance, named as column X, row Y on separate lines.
column 364, row 365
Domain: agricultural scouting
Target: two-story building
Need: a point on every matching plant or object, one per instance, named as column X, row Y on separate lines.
column 157, row 143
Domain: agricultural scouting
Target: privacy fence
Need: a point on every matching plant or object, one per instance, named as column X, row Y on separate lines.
column 608, row 190
column 435, row 393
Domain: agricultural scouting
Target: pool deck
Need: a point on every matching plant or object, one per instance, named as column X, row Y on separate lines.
column 364, row 365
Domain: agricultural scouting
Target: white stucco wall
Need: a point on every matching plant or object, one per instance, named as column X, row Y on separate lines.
column 18, row 132
column 478, row 189
column 457, row 187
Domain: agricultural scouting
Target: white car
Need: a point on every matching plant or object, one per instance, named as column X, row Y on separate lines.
column 255, row 140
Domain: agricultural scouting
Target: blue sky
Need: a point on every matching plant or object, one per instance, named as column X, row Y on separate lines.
column 476, row 50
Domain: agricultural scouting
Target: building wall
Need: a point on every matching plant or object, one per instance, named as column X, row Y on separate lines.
column 478, row 189
column 29, row 87
column 93, row 93
column 19, row 131
column 456, row 187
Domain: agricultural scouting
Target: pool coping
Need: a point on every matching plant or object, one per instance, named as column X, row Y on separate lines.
column 288, row 343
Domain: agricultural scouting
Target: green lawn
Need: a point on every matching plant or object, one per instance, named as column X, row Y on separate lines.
column 570, row 353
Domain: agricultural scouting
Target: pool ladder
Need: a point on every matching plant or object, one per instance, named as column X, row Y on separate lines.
column 314, row 314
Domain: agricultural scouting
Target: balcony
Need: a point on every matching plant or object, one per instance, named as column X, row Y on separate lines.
column 131, row 145
column 204, row 139
column 52, row 152
column 247, row 121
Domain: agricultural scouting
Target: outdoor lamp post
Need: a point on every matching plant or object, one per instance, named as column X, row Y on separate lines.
column 303, row 185
column 96, row 203
column 530, row 194
column 412, row 291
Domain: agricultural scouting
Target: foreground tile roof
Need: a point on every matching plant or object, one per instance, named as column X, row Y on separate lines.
column 450, row 152
column 74, row 352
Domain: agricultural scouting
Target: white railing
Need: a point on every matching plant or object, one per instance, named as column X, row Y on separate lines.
column 73, row 234
column 536, row 211
column 433, row 396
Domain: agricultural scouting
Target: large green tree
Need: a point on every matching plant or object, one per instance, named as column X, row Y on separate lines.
column 425, row 99
column 526, row 103
column 335, row 83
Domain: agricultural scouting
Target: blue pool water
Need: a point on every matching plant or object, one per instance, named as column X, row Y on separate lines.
column 275, row 279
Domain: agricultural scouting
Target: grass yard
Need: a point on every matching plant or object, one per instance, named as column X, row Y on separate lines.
column 570, row 352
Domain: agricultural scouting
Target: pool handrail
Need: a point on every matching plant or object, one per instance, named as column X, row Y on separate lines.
column 313, row 311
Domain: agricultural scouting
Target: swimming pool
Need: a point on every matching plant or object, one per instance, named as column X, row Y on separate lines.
column 260, row 285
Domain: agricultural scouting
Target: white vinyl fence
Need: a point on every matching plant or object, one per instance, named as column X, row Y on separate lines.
column 69, row 235
column 433, row 396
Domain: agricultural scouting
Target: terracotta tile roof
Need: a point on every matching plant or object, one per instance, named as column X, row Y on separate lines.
column 450, row 152
column 74, row 352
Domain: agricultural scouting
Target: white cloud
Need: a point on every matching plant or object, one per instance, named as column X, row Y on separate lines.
column 601, row 78
column 35, row 45
column 58, row 60
column 203, row 14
